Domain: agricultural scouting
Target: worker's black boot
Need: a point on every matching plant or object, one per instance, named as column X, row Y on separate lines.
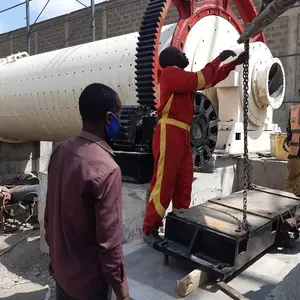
column 152, row 238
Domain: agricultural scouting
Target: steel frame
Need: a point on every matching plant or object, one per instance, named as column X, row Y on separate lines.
column 196, row 235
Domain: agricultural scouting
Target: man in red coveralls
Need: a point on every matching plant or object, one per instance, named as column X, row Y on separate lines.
column 173, row 164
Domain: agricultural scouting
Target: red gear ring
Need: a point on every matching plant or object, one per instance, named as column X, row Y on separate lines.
column 190, row 12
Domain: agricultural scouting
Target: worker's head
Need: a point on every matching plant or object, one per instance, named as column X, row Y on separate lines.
column 172, row 56
column 100, row 108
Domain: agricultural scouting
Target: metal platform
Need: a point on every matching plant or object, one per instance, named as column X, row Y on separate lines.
column 207, row 236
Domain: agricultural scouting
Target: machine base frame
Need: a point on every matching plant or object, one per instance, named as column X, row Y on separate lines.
column 137, row 167
column 198, row 234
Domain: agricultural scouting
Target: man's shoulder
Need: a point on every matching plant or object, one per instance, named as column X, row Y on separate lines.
column 98, row 158
column 91, row 157
column 172, row 72
column 102, row 164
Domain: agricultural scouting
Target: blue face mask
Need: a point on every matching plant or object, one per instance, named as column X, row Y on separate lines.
column 113, row 126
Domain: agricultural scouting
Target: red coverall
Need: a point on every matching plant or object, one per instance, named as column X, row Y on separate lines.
column 173, row 163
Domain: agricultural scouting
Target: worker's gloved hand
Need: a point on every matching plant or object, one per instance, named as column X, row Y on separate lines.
column 226, row 54
column 240, row 59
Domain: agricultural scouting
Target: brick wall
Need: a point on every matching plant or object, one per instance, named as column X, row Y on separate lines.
column 113, row 18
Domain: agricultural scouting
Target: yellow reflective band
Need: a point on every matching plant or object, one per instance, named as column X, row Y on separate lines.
column 155, row 195
column 174, row 122
column 164, row 121
column 167, row 107
column 201, row 81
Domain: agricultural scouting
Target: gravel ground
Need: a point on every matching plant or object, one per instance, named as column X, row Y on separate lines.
column 24, row 269
column 24, row 272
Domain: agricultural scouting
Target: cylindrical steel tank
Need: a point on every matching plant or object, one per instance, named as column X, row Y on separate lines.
column 39, row 94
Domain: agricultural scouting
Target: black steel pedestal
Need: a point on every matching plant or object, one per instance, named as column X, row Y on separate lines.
column 206, row 235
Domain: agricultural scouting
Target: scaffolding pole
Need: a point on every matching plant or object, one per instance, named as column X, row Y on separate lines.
column 93, row 27
column 28, row 25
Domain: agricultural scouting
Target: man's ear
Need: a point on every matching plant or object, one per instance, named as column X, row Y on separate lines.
column 108, row 117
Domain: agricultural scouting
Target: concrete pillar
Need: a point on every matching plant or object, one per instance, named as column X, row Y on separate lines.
column 45, row 154
column 36, row 42
column 43, row 178
column 103, row 24
column 67, row 31
column 93, row 26
column 11, row 43
column 281, row 115
column 291, row 61
column 35, row 157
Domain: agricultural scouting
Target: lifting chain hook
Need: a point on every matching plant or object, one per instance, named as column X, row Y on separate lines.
column 245, row 224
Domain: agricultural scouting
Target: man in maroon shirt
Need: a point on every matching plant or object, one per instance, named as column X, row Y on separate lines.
column 83, row 217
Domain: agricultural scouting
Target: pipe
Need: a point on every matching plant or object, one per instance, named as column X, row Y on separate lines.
column 39, row 94
column 266, row 17
column 12, row 7
column 24, row 194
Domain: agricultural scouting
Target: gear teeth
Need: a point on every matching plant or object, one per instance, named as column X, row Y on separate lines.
column 145, row 53
column 123, row 138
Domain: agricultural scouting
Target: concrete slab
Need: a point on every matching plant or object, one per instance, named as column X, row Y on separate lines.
column 267, row 172
column 28, row 291
column 288, row 288
column 149, row 279
column 9, row 240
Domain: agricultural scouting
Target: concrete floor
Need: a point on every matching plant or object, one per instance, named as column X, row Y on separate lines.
column 274, row 276
column 24, row 274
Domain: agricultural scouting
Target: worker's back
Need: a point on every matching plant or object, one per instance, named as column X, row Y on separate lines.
column 176, row 96
column 74, row 168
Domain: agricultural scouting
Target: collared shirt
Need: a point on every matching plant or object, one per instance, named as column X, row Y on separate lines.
column 83, row 218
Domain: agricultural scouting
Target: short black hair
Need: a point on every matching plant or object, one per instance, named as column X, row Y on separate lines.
column 95, row 101
column 167, row 56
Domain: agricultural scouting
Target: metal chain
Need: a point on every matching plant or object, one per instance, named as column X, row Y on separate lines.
column 245, row 224
column 239, row 222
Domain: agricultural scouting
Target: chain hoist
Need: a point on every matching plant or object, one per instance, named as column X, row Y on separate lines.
column 245, row 224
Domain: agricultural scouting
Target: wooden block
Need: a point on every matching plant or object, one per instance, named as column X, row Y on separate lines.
column 191, row 282
column 230, row 291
